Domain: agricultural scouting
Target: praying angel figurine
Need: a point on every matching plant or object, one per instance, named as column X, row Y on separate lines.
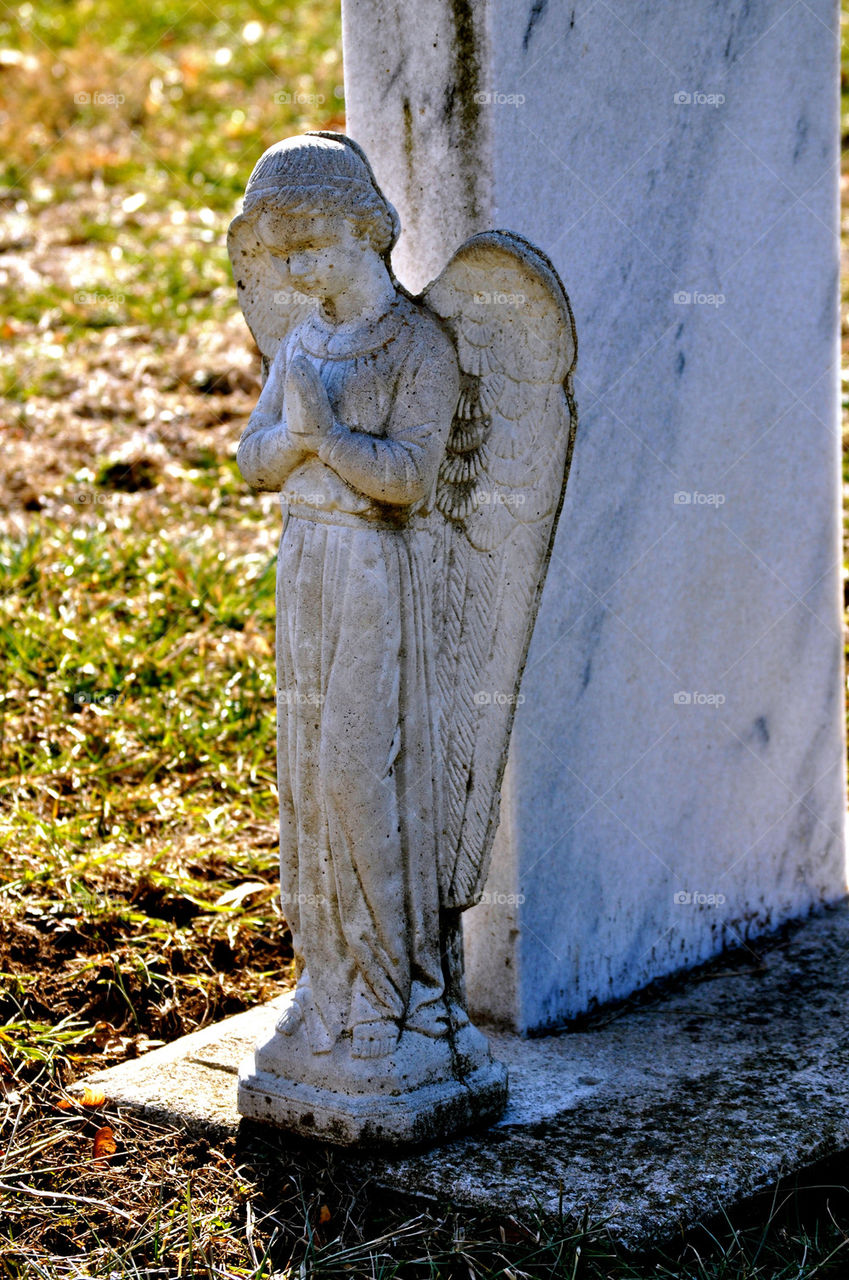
column 420, row 447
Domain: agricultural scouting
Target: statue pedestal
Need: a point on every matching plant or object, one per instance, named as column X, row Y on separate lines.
column 424, row 1092
column 420, row 1117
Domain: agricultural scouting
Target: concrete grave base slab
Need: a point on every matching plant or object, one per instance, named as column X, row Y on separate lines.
column 652, row 1119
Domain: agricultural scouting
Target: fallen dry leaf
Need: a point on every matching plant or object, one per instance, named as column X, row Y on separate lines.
column 104, row 1143
column 235, row 897
column 91, row 1098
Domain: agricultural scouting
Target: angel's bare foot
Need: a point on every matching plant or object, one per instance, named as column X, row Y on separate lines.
column 374, row 1039
column 290, row 1019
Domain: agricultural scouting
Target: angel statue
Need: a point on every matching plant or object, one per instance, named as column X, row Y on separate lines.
column 420, row 447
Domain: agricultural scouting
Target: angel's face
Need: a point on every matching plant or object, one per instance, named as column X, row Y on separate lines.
column 317, row 255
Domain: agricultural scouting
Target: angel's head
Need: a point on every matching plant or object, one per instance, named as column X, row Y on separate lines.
column 316, row 208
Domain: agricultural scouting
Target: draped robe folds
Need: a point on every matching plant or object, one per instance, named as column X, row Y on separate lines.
column 358, row 752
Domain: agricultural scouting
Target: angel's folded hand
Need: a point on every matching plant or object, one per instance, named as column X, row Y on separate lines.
column 308, row 412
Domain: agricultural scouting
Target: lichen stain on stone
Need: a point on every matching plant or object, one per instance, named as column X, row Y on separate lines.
column 801, row 137
column 738, row 26
column 538, row 8
column 407, row 113
column 464, row 89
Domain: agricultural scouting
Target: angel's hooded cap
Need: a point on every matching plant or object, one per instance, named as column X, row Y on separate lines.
column 321, row 171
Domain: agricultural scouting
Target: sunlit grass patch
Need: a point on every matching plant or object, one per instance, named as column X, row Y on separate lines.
column 168, row 98
column 138, row 692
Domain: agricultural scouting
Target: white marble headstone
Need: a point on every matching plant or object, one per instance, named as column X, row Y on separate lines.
column 676, row 778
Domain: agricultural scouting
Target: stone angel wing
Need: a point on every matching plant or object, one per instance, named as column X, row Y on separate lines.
column 499, row 493
column 270, row 305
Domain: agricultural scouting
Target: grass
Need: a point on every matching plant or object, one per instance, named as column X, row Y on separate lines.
column 168, row 99
column 170, row 1204
column 137, row 801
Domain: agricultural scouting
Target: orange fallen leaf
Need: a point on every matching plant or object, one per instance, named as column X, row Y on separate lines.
column 91, row 1098
column 324, row 1214
column 104, row 1143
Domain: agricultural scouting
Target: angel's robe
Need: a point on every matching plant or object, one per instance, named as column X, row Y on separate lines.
column 359, row 768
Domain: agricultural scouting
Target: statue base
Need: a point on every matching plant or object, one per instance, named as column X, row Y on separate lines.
column 427, row 1090
column 422, row 1116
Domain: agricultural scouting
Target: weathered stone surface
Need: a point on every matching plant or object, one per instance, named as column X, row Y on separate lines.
column 679, row 165
column 655, row 1116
